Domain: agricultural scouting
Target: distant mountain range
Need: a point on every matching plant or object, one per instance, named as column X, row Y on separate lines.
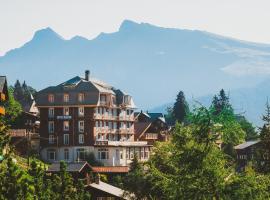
column 149, row 62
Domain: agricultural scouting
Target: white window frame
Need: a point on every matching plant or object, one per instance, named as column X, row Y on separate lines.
column 81, row 111
column 66, row 139
column 66, row 128
column 103, row 154
column 66, row 154
column 66, row 111
column 66, row 98
column 48, row 154
column 51, row 112
column 81, row 126
column 51, row 98
column 81, row 97
column 51, row 139
column 81, row 138
column 51, row 126
column 80, row 150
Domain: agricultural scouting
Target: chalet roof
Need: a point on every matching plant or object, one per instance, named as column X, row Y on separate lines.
column 71, row 167
column 246, row 144
column 115, row 191
column 111, row 169
column 140, row 128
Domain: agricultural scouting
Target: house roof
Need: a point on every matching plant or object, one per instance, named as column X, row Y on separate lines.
column 71, row 167
column 111, row 169
column 246, row 144
column 115, row 191
column 140, row 128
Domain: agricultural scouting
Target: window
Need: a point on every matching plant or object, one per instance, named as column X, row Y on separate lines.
column 103, row 154
column 81, row 126
column 97, row 124
column 51, row 98
column 80, row 97
column 66, row 125
column 51, row 112
column 110, row 125
column 80, row 154
column 65, row 111
column 66, row 154
column 81, row 138
column 126, row 99
column 66, row 139
column 127, row 153
column 146, row 153
column 117, row 154
column 66, row 98
column 114, row 125
column 51, row 139
column 102, row 98
column 51, row 127
column 51, row 154
column 81, row 111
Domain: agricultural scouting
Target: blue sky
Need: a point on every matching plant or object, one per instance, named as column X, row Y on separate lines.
column 243, row 19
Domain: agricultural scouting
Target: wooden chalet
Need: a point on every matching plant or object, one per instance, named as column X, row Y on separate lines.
column 150, row 127
column 245, row 152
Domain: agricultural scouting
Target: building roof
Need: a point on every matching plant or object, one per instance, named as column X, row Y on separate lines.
column 71, row 167
column 140, row 128
column 115, row 191
column 246, row 144
column 93, row 87
column 111, row 169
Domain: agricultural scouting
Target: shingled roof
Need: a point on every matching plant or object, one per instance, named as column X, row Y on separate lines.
column 71, row 167
column 140, row 128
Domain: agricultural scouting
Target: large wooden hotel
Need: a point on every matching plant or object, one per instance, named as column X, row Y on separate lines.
column 83, row 116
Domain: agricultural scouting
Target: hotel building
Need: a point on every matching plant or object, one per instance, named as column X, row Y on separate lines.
column 85, row 115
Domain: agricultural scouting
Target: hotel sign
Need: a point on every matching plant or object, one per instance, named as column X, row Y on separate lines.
column 64, row 117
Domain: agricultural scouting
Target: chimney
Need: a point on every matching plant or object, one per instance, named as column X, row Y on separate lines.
column 97, row 178
column 87, row 73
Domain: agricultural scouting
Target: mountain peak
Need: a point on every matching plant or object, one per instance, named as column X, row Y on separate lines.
column 46, row 33
column 128, row 24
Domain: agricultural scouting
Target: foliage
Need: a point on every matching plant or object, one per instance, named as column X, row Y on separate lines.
column 180, row 109
column 246, row 126
column 13, row 109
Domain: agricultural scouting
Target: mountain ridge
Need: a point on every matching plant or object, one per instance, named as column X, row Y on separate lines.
column 149, row 62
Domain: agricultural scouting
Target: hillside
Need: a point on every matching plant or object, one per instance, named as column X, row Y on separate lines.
column 151, row 63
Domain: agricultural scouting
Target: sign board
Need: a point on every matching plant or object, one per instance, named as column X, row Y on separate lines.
column 64, row 117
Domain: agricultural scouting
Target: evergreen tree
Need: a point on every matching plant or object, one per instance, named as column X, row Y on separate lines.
column 66, row 183
column 180, row 108
column 220, row 103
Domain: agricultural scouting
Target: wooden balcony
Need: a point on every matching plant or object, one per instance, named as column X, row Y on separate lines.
column 2, row 111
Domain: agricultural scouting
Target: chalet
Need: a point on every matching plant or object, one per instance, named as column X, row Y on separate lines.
column 100, row 190
column 150, row 127
column 78, row 170
column 3, row 93
column 84, row 115
column 245, row 152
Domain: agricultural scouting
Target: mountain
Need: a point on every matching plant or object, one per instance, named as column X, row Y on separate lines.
column 149, row 62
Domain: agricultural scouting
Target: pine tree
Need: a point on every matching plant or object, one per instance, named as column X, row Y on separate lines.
column 220, row 103
column 180, row 108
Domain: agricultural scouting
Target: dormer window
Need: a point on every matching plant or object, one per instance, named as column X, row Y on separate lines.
column 126, row 99
column 80, row 97
column 51, row 98
column 102, row 98
column 66, row 97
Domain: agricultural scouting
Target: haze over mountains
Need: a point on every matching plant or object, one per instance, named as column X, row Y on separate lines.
column 151, row 63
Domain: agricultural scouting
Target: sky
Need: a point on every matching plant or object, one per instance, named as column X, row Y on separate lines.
column 242, row 19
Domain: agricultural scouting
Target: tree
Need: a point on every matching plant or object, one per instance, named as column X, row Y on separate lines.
column 220, row 102
column 135, row 182
column 13, row 109
column 248, row 127
column 180, row 108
